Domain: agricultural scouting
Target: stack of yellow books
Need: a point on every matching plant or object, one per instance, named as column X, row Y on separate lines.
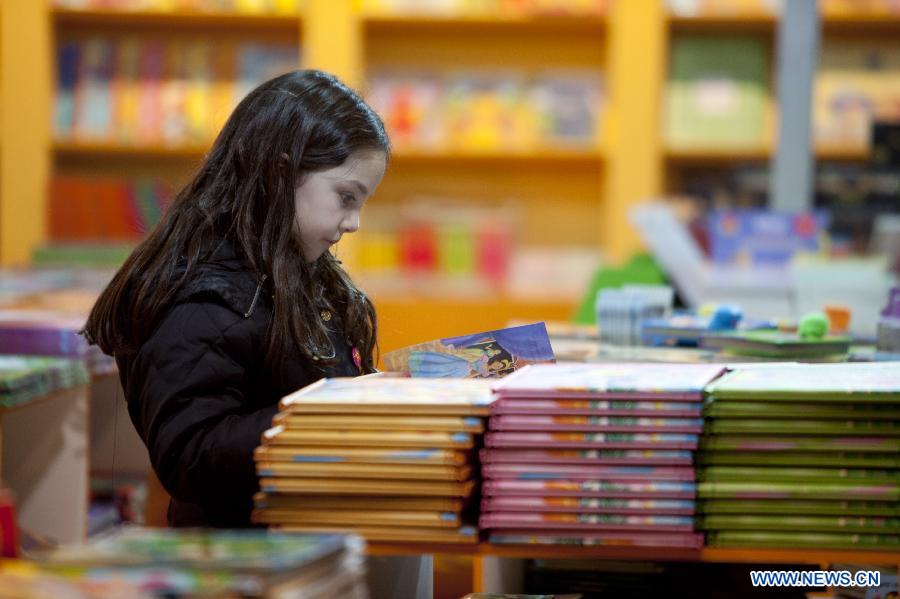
column 391, row 459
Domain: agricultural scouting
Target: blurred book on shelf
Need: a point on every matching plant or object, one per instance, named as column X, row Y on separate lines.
column 499, row 8
column 110, row 209
column 700, row 8
column 763, row 237
column 717, row 92
column 141, row 91
column 286, row 7
column 483, row 111
column 858, row 82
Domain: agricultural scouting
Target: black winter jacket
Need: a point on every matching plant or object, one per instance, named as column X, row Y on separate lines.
column 200, row 396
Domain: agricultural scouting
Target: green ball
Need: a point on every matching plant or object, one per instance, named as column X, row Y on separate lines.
column 813, row 326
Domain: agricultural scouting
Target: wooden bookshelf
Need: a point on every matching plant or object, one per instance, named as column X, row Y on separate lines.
column 484, row 553
column 113, row 151
column 662, row 554
column 725, row 156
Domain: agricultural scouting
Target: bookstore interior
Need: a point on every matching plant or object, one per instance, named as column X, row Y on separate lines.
column 618, row 252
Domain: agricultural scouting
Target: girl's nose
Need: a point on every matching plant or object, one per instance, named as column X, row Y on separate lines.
column 351, row 223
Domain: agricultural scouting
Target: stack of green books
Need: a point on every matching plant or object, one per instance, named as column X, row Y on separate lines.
column 27, row 378
column 802, row 455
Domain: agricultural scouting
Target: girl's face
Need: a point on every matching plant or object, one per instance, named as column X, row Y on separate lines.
column 328, row 203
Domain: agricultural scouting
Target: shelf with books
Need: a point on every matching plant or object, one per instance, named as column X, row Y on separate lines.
column 192, row 20
column 559, row 157
column 762, row 22
column 116, row 151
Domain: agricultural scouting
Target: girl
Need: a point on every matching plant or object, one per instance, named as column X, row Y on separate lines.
column 234, row 300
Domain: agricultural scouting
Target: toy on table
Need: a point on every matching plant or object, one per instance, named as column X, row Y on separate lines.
column 810, row 340
column 838, row 318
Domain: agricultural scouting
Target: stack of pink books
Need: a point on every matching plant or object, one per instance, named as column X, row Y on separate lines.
column 594, row 454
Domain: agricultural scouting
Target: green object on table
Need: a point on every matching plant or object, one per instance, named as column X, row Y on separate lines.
column 813, row 326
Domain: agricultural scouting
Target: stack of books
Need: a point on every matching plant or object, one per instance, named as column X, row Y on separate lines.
column 388, row 458
column 25, row 379
column 802, row 455
column 50, row 333
column 213, row 563
column 594, row 454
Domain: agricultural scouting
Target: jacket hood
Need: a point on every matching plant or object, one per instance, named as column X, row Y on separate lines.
column 224, row 275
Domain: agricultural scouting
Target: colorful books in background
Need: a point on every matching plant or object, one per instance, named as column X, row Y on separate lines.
column 386, row 457
column 47, row 333
column 24, row 379
column 856, row 84
column 284, row 7
column 141, row 92
column 432, row 237
column 489, row 354
column 498, row 8
column 802, row 455
column 112, row 209
column 717, row 92
column 194, row 562
column 594, row 454
column 763, row 237
column 485, row 111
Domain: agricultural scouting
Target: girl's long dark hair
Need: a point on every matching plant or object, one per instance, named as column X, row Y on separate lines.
column 243, row 194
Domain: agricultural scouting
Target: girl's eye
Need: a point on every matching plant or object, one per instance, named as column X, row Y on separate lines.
column 348, row 198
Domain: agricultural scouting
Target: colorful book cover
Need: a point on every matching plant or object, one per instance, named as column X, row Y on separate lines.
column 532, row 520
column 391, row 395
column 779, row 523
column 774, row 473
column 586, row 472
column 568, row 106
column 239, row 550
column 329, row 517
column 582, row 407
column 777, row 344
column 798, row 506
column 350, row 502
column 863, row 382
column 590, row 440
column 763, row 237
column 364, row 455
column 597, row 539
column 93, row 121
column 127, row 85
column 465, row 424
column 409, row 104
column 613, row 424
column 884, row 428
column 782, row 444
column 482, row 355
column 848, row 489
column 810, row 540
column 717, row 92
column 655, row 381
column 819, row 411
column 799, row 458
column 278, row 435
column 329, row 486
column 151, row 74
column 608, row 457
column 351, row 470
column 591, row 488
column 67, row 67
column 588, row 505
